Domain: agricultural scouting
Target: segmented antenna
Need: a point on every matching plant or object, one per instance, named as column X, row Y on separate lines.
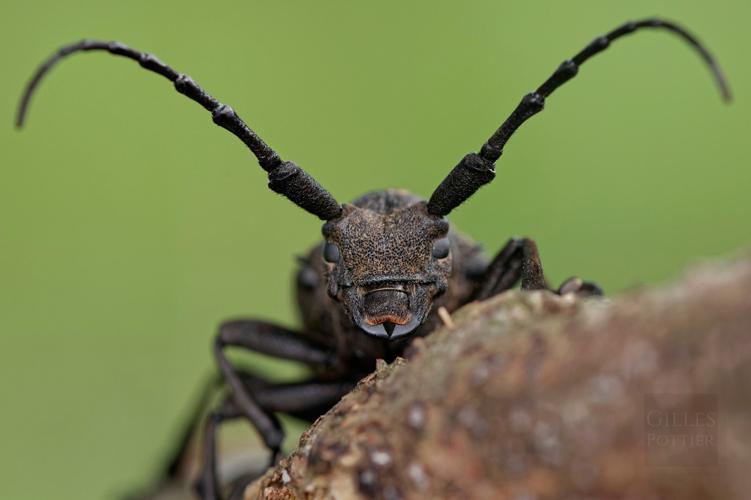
column 477, row 169
column 285, row 177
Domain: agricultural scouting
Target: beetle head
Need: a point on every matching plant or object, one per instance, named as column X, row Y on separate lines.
column 386, row 259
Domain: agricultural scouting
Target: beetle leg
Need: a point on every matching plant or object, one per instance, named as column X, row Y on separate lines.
column 518, row 260
column 269, row 339
column 207, row 485
column 502, row 273
column 518, row 257
column 260, row 337
column 307, row 400
column 175, row 464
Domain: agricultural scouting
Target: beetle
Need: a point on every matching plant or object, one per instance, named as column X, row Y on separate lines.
column 387, row 263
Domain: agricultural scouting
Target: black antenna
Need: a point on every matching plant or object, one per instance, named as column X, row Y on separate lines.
column 475, row 170
column 285, row 177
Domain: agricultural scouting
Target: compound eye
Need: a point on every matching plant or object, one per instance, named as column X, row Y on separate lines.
column 331, row 253
column 441, row 248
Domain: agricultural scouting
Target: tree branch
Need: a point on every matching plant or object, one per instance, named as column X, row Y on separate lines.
column 536, row 396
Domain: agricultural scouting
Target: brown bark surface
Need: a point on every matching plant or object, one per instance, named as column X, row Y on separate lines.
column 534, row 396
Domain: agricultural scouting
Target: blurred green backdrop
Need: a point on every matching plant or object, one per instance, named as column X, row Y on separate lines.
column 130, row 225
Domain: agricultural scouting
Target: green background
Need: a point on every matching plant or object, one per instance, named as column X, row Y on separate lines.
column 130, row 225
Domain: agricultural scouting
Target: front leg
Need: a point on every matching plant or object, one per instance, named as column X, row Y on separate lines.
column 258, row 405
column 518, row 260
column 255, row 399
column 307, row 400
column 268, row 339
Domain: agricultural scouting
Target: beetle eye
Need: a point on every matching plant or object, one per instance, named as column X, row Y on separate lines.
column 331, row 253
column 441, row 248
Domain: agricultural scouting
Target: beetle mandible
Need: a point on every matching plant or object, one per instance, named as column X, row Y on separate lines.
column 389, row 260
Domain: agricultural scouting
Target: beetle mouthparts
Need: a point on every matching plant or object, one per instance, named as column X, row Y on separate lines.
column 386, row 305
column 389, row 330
column 386, row 313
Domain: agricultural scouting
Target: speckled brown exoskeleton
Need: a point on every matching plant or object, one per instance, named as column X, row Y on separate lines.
column 387, row 263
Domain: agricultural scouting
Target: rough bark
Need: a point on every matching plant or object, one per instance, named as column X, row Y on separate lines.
column 534, row 396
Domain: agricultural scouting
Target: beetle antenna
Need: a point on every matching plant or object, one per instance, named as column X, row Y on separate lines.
column 285, row 177
column 477, row 169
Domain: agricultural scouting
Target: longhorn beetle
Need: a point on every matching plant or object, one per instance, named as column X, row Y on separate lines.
column 387, row 262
